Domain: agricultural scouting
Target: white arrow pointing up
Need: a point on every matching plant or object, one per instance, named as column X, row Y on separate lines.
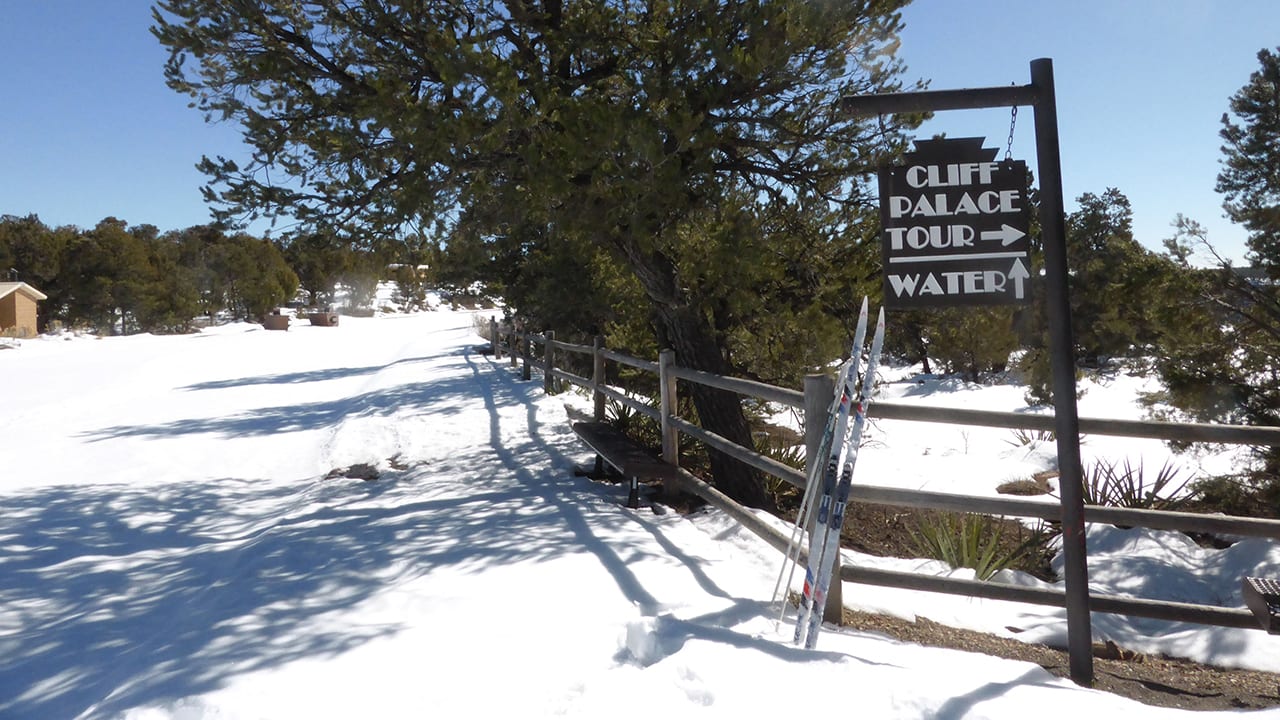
column 1007, row 234
column 1018, row 274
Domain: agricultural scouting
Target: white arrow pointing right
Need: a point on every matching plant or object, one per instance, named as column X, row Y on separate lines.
column 1007, row 234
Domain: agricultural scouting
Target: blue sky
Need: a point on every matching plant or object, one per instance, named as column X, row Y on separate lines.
column 89, row 130
column 1141, row 89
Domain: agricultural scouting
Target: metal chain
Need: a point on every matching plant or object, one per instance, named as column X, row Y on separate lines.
column 1013, row 121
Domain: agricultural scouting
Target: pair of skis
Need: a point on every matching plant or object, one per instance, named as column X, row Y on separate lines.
column 833, row 478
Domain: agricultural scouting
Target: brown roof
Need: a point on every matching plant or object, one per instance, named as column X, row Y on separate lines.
column 11, row 287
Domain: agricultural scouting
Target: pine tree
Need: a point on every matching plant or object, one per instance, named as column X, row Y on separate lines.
column 1249, row 180
column 1221, row 360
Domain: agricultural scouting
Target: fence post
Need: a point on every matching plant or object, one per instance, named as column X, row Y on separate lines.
column 493, row 338
column 818, row 391
column 597, row 377
column 526, row 353
column 548, row 364
column 670, row 435
column 513, row 340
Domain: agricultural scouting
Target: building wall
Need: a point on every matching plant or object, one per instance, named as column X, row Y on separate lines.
column 18, row 315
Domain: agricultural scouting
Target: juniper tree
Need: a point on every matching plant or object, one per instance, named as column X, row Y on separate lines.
column 631, row 130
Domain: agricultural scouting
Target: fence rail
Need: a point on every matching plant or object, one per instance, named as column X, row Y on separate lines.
column 510, row 340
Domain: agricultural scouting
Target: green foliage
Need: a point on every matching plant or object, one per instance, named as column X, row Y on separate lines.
column 671, row 167
column 1116, row 484
column 636, row 425
column 171, row 299
column 411, row 287
column 1108, row 269
column 319, row 259
column 37, row 253
column 787, row 452
column 965, row 540
column 1246, row 495
column 105, row 267
column 254, row 276
column 1219, row 359
column 971, row 341
column 1036, row 370
column 1249, row 182
column 361, row 276
column 32, row 249
column 118, row 278
column 647, row 431
column 1223, row 342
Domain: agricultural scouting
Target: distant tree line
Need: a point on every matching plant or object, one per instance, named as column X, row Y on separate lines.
column 117, row 278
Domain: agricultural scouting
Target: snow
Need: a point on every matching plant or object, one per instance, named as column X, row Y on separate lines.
column 174, row 549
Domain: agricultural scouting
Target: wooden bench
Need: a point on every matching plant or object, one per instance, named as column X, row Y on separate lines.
column 629, row 460
column 1262, row 596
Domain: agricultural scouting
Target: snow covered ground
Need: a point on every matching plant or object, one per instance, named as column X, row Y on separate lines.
column 172, row 548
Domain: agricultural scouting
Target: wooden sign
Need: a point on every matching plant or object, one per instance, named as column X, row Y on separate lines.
column 955, row 227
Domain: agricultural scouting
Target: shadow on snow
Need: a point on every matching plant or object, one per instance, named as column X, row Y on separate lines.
column 118, row 596
column 438, row 397
column 305, row 376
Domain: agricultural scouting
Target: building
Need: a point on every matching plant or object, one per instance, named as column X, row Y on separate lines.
column 18, row 309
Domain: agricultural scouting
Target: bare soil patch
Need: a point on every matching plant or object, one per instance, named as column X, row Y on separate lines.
column 1151, row 680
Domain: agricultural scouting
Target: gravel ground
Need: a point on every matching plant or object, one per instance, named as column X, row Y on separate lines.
column 1158, row 681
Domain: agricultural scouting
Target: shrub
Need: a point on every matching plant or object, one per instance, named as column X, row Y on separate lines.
column 1023, row 437
column 785, row 451
column 1249, row 495
column 481, row 325
column 979, row 542
column 1125, row 485
column 641, row 428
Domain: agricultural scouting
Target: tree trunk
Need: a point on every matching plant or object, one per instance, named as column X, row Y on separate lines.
column 720, row 411
column 687, row 330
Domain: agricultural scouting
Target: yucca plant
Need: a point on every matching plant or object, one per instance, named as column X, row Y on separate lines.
column 1125, row 485
column 1024, row 437
column 636, row 425
column 647, row 432
column 977, row 542
column 787, row 453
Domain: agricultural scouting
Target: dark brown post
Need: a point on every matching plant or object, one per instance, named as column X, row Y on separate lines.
column 1042, row 96
column 1061, row 349
column 493, row 338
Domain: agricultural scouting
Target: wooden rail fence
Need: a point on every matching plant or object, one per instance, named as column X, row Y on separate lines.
column 814, row 402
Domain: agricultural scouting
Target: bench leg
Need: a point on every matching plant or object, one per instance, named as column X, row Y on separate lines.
column 597, row 471
column 633, row 497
